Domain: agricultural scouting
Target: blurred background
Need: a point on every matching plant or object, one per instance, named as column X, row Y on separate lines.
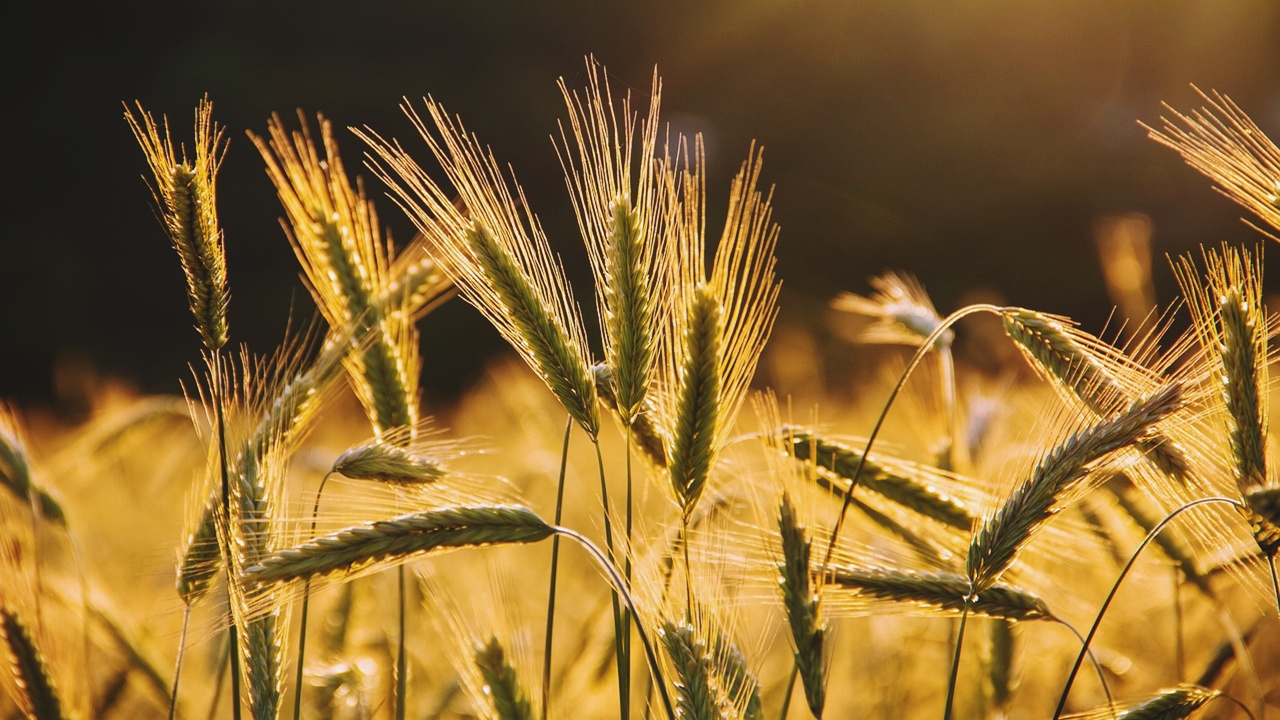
column 979, row 144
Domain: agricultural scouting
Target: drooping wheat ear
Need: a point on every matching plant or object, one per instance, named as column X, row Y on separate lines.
column 501, row 684
column 644, row 432
column 388, row 463
column 1056, row 478
column 495, row 253
column 617, row 205
column 30, row 684
column 936, row 592
column 1172, row 704
column 841, row 460
column 16, row 472
column 1263, row 512
column 695, row 695
column 801, row 601
column 693, row 435
column 1228, row 147
column 382, row 542
column 335, row 236
column 1086, row 368
column 184, row 194
column 901, row 310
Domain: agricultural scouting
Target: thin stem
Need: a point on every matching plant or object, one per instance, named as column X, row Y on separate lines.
column 555, row 567
column 955, row 662
column 954, row 451
column 306, row 604
column 1093, row 660
column 621, row 589
column 233, row 633
column 925, row 346
column 626, row 570
column 223, row 662
column 177, row 670
column 1062, row 702
column 1178, row 659
column 1275, row 581
column 791, row 686
column 624, row 691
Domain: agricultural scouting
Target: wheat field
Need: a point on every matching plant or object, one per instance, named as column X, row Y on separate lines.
column 637, row 524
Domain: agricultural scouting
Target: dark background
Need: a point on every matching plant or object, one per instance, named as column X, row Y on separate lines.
column 973, row 143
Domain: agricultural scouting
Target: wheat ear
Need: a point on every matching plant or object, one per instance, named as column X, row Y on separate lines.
column 1171, row 704
column 388, row 462
column 1075, row 362
column 184, row 194
column 384, row 541
column 501, row 684
column 937, row 592
column 697, row 408
column 16, row 473
column 695, row 695
column 335, row 235
column 801, row 602
column 646, row 435
column 1228, row 147
column 843, row 461
column 32, row 687
column 498, row 257
column 1034, row 502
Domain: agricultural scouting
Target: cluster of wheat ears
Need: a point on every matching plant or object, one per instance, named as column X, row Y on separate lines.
column 698, row 561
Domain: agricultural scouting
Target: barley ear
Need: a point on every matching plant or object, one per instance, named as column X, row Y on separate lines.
column 692, row 448
column 696, row 698
column 184, row 194
column 801, row 602
column 501, row 684
column 31, row 685
column 937, row 592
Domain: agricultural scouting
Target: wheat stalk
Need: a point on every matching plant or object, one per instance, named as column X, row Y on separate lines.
column 185, row 195
column 1033, row 503
column 1228, row 147
column 376, row 543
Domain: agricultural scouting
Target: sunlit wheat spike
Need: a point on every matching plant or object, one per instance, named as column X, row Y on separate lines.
column 697, row 410
column 942, row 592
column 617, row 205
column 16, row 472
column 1231, row 324
column 843, row 460
column 736, row 305
column 335, row 236
column 1057, row 476
column 30, row 685
column 357, row 548
column 738, row 683
column 562, row 363
column 800, row 600
column 1171, row 704
column 1082, row 365
column 501, row 684
column 389, row 463
column 187, row 203
column 695, row 695
column 901, row 309
column 495, row 252
column 1229, row 148
column 646, row 435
